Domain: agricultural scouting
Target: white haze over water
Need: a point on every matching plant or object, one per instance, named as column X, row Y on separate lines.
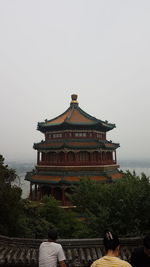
column 97, row 49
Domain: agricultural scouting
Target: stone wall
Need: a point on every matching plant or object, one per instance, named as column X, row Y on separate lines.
column 18, row 252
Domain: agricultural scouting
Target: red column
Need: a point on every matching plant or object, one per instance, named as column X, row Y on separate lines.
column 75, row 158
column 90, row 158
column 65, row 157
column 38, row 157
column 106, row 155
column 100, row 157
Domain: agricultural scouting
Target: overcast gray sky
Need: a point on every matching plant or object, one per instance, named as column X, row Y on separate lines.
column 98, row 49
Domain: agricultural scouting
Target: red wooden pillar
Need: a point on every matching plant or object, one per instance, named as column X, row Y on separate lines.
column 90, row 158
column 106, row 157
column 100, row 157
column 75, row 158
column 38, row 157
column 65, row 157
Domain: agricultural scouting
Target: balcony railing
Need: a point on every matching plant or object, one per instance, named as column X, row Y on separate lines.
column 76, row 163
column 16, row 252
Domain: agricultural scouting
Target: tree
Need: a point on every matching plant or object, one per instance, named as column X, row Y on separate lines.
column 10, row 196
column 122, row 206
column 66, row 222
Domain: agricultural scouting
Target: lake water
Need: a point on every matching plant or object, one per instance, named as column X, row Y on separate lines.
column 25, row 185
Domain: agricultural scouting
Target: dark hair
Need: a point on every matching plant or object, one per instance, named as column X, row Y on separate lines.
column 52, row 234
column 146, row 241
column 111, row 241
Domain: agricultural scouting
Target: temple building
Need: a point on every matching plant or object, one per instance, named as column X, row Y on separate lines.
column 74, row 147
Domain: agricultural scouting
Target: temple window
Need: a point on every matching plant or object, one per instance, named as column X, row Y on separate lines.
column 80, row 134
column 99, row 135
column 58, row 135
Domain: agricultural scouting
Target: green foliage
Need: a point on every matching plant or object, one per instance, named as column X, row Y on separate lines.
column 31, row 224
column 123, row 206
column 66, row 222
column 10, row 197
column 38, row 218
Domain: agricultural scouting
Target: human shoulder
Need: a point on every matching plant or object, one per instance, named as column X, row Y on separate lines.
column 126, row 264
column 56, row 245
column 113, row 260
column 122, row 263
column 43, row 243
column 95, row 263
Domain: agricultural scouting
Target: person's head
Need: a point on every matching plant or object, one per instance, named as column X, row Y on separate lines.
column 146, row 243
column 111, row 242
column 52, row 235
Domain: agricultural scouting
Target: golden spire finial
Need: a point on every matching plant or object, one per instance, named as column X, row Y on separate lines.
column 74, row 99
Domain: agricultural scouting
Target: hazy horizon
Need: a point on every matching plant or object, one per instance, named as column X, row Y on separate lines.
column 97, row 49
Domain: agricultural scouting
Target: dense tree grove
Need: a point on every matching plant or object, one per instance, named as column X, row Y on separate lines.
column 10, row 200
column 123, row 206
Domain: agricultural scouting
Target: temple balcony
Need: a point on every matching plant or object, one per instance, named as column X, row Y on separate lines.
column 75, row 163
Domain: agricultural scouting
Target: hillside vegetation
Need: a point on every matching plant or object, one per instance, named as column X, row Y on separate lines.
column 122, row 206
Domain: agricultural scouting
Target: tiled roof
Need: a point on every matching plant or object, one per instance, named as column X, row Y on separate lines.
column 116, row 175
column 82, row 144
column 41, row 178
column 47, row 178
column 78, row 117
column 74, row 115
column 74, row 144
column 49, row 144
column 17, row 252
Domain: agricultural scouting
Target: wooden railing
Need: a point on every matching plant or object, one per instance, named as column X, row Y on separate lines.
column 76, row 163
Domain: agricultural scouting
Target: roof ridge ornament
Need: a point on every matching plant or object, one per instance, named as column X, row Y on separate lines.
column 74, row 101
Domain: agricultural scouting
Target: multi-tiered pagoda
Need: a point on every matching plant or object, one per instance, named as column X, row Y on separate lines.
column 75, row 147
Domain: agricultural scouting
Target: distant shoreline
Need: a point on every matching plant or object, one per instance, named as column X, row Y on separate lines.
column 134, row 163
